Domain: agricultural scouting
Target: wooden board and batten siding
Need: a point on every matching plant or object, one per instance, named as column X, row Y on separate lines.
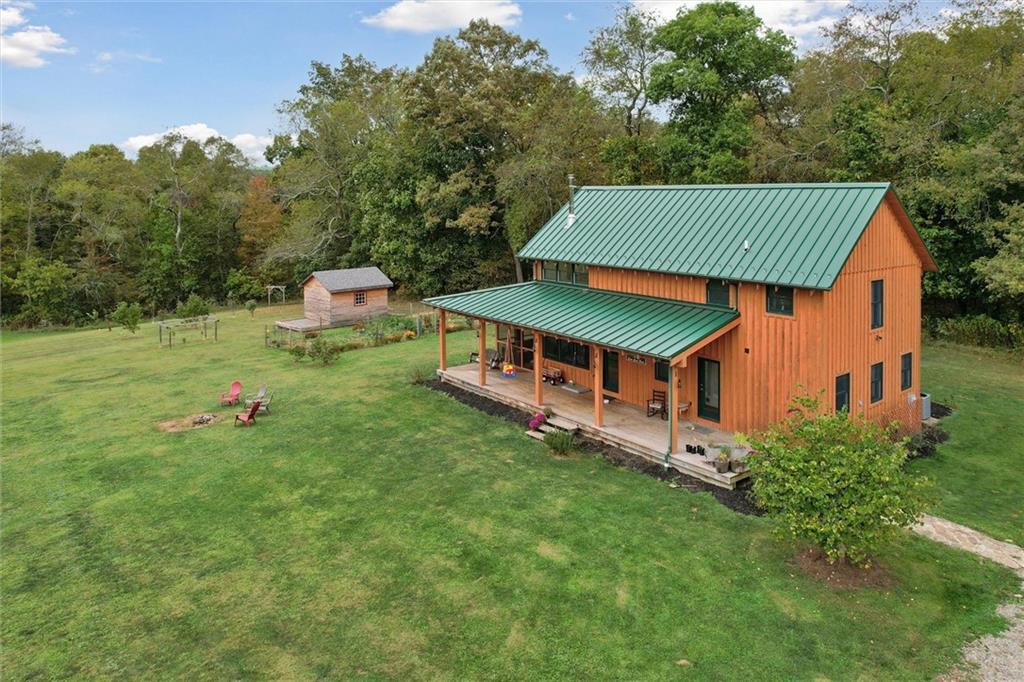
column 334, row 297
column 768, row 356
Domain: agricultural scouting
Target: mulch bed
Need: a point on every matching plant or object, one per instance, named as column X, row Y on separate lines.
column 842, row 574
column 940, row 411
column 738, row 500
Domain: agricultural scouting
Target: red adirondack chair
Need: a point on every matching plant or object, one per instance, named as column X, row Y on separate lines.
column 232, row 396
column 249, row 417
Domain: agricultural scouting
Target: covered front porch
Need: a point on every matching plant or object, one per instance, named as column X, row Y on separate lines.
column 616, row 353
column 623, row 425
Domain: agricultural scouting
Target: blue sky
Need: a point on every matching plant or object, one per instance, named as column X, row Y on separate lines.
column 73, row 74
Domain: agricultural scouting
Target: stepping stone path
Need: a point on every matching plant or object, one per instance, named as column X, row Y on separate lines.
column 993, row 658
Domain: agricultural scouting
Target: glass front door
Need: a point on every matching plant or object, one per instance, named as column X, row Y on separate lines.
column 610, row 370
column 709, row 388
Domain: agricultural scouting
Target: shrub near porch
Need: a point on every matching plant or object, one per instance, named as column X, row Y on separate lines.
column 370, row 527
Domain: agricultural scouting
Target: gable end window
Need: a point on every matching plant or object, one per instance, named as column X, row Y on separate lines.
column 843, row 392
column 876, row 382
column 661, row 371
column 717, row 292
column 360, row 298
column 779, row 300
column 906, row 371
column 568, row 352
column 877, row 303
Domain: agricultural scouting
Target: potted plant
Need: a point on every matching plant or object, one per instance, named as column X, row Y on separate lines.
column 738, row 464
column 722, row 463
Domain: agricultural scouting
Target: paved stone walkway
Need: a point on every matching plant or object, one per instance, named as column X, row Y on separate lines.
column 955, row 535
column 993, row 658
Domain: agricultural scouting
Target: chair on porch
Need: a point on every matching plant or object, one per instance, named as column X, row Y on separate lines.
column 657, row 405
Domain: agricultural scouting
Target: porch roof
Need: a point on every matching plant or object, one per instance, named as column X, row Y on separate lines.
column 657, row 327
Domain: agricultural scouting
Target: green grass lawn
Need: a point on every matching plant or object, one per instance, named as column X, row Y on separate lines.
column 980, row 470
column 372, row 528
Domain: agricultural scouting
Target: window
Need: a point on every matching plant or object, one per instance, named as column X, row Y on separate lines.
column 906, row 371
column 876, row 382
column 661, row 371
column 570, row 273
column 843, row 392
column 580, row 275
column 780, row 300
column 877, row 303
column 360, row 298
column 560, row 350
column 717, row 292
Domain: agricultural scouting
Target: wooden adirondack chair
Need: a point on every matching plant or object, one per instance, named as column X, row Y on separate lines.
column 265, row 403
column 231, row 397
column 248, row 418
column 260, row 394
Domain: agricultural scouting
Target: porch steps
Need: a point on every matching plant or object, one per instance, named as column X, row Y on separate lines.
column 552, row 425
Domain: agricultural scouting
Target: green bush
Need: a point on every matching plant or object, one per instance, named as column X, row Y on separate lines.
column 195, row 306
column 834, row 480
column 323, row 350
column 128, row 315
column 250, row 305
column 298, row 352
column 979, row 330
column 560, row 442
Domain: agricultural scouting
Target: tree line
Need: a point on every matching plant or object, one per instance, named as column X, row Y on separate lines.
column 440, row 173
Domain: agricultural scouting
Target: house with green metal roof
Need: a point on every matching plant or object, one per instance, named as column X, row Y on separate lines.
column 664, row 318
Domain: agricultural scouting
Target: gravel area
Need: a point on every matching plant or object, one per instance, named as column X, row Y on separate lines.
column 995, row 658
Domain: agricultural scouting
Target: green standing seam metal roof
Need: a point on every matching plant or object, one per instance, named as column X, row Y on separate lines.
column 798, row 235
column 656, row 327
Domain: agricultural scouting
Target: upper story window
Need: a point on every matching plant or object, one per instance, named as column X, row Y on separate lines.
column 360, row 298
column 906, row 371
column 877, row 303
column 876, row 382
column 717, row 292
column 570, row 273
column 779, row 300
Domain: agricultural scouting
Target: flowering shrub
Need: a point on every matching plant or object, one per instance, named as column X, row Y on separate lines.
column 537, row 420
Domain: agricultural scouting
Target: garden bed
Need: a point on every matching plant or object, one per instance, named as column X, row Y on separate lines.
column 739, row 500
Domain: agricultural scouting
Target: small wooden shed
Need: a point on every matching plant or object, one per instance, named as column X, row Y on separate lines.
column 334, row 297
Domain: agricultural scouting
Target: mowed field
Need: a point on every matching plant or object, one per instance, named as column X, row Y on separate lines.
column 375, row 529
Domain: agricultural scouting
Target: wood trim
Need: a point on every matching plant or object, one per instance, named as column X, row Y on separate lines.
column 682, row 357
column 598, row 382
column 673, row 408
column 483, row 352
column 442, row 327
column 538, row 367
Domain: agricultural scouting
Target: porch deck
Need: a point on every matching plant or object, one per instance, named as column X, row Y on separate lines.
column 625, row 426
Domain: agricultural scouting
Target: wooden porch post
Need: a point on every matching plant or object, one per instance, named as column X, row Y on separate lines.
column 442, row 327
column 598, row 392
column 673, row 409
column 483, row 352
column 538, row 385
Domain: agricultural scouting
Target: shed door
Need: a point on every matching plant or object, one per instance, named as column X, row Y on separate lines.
column 709, row 387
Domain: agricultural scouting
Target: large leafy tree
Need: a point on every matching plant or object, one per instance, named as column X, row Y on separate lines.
column 724, row 69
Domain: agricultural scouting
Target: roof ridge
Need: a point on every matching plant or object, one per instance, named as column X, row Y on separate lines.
column 744, row 185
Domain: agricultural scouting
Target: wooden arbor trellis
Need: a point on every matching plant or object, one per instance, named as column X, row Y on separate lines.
column 271, row 288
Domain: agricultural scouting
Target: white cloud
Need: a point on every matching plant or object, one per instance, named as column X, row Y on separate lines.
column 250, row 145
column 426, row 16
column 104, row 60
column 570, row 16
column 801, row 19
column 27, row 47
